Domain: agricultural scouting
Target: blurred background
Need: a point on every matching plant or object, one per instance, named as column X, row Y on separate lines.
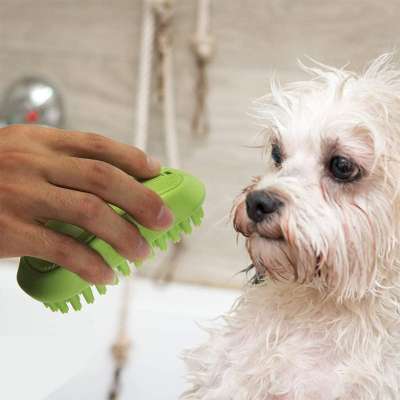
column 220, row 56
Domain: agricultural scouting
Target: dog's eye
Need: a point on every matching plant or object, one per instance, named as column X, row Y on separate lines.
column 276, row 154
column 343, row 169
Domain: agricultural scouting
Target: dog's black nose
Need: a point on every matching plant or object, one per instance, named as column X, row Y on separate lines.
column 260, row 204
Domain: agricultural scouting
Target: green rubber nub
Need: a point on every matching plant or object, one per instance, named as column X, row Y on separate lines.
column 58, row 288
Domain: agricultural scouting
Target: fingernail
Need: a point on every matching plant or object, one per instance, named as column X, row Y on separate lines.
column 165, row 217
column 142, row 249
column 112, row 278
column 153, row 163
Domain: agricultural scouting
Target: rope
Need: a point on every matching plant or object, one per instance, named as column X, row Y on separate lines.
column 164, row 17
column 171, row 140
column 157, row 17
column 122, row 344
column 203, row 48
column 121, row 347
column 144, row 78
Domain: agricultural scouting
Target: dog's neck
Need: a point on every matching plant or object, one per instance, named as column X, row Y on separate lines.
column 294, row 298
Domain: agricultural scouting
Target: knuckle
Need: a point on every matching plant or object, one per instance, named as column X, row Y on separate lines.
column 63, row 251
column 9, row 131
column 21, row 131
column 128, row 246
column 99, row 175
column 13, row 130
column 90, row 207
column 13, row 159
column 62, row 141
column 98, row 142
column 9, row 191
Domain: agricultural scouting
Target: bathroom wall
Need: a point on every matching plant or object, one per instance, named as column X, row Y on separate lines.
column 89, row 49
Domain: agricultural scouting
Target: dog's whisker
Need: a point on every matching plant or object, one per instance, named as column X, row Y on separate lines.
column 247, row 269
column 223, row 221
column 256, row 279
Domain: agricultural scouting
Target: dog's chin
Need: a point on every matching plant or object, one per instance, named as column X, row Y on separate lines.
column 271, row 257
column 266, row 245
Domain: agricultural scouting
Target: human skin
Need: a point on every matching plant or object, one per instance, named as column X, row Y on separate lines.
column 51, row 174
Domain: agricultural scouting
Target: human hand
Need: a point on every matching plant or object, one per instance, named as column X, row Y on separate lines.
column 49, row 174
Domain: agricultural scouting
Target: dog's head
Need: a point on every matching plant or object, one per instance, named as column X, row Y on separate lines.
column 326, row 212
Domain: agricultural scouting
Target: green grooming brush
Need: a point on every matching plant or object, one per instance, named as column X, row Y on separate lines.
column 57, row 287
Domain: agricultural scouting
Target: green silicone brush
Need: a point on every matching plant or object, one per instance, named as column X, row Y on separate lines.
column 58, row 288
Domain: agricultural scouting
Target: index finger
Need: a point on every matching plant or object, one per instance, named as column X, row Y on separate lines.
column 130, row 159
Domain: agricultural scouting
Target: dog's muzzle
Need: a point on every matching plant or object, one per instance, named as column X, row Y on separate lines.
column 261, row 204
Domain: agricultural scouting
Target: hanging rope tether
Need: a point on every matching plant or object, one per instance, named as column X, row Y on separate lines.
column 203, row 48
column 157, row 17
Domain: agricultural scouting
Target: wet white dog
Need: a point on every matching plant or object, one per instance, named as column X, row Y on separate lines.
column 321, row 320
